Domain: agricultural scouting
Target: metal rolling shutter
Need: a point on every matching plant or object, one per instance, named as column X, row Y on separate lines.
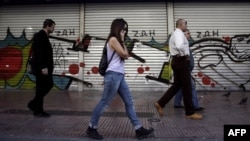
column 145, row 20
column 224, row 21
column 24, row 20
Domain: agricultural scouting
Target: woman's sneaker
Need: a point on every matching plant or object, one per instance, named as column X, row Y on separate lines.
column 142, row 133
column 92, row 133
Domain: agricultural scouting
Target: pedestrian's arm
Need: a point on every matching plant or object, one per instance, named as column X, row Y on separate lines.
column 122, row 52
column 182, row 44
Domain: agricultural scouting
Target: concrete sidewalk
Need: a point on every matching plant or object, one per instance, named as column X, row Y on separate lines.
column 70, row 113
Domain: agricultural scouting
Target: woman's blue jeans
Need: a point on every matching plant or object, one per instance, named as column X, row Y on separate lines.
column 115, row 83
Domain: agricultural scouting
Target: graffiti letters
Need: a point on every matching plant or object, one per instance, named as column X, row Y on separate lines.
column 65, row 32
column 208, row 34
column 143, row 33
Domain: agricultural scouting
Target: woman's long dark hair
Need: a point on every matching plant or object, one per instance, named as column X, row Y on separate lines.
column 115, row 30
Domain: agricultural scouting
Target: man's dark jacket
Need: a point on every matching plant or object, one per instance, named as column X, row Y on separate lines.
column 42, row 53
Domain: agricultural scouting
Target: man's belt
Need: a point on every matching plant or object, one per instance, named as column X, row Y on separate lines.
column 177, row 55
column 181, row 57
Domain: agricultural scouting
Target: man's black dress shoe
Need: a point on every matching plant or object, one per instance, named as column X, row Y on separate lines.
column 199, row 109
column 32, row 107
column 42, row 115
column 178, row 106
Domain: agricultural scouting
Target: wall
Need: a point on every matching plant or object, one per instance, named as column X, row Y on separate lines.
column 219, row 29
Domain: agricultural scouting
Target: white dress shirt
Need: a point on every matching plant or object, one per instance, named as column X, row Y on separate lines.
column 178, row 43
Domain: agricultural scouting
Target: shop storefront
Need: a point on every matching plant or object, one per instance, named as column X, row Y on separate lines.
column 220, row 30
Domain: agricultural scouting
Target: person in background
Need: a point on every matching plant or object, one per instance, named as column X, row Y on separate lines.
column 114, row 82
column 179, row 50
column 178, row 96
column 42, row 66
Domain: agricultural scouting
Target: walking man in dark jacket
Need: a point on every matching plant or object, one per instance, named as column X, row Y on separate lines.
column 42, row 66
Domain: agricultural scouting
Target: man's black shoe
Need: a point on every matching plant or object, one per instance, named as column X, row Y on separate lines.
column 92, row 133
column 142, row 133
column 178, row 106
column 199, row 109
column 42, row 115
column 31, row 107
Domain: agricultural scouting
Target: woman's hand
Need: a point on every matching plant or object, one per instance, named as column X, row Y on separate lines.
column 122, row 34
column 115, row 44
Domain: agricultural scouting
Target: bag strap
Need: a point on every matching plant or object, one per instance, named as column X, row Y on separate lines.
column 107, row 52
column 111, row 57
